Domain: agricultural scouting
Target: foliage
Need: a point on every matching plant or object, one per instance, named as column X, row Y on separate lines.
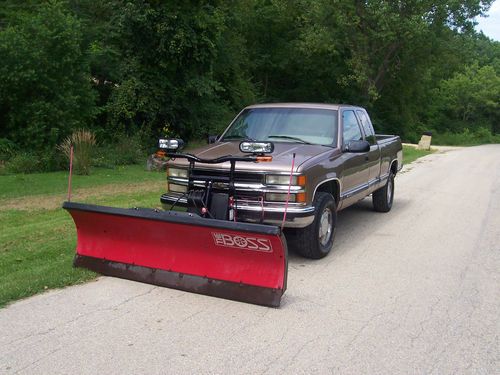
column 123, row 150
column 167, row 74
column 466, row 138
column 45, row 89
column 79, row 145
column 23, row 163
column 33, row 162
column 7, row 149
column 137, row 68
column 468, row 100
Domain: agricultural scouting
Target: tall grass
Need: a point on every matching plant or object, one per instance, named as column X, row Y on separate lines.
column 83, row 142
column 465, row 138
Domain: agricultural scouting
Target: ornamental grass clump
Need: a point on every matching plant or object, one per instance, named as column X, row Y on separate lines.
column 83, row 142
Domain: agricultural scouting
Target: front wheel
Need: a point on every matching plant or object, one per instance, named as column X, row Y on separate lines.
column 316, row 240
column 383, row 197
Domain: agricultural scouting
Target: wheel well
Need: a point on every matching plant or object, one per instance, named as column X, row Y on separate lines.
column 332, row 187
column 394, row 167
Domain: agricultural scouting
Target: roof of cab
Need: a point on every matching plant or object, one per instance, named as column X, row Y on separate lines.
column 300, row 105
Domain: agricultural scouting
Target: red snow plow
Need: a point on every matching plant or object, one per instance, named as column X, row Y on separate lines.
column 204, row 250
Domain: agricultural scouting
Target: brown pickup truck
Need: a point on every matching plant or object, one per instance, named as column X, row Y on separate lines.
column 324, row 158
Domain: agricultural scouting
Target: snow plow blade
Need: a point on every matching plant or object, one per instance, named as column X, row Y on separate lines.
column 238, row 261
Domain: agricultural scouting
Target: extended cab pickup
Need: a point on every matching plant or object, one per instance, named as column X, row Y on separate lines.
column 337, row 160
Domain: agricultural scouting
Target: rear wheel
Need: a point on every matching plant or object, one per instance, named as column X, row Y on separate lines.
column 383, row 197
column 316, row 240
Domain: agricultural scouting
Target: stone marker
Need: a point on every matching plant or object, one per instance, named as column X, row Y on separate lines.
column 425, row 141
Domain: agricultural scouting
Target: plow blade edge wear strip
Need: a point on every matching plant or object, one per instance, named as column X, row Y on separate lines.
column 238, row 261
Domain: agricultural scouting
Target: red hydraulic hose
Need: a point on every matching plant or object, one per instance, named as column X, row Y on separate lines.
column 288, row 194
column 70, row 172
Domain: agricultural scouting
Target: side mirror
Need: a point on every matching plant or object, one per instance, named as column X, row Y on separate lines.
column 358, row 146
column 212, row 139
column 170, row 144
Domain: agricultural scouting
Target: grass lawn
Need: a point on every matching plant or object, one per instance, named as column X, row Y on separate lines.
column 410, row 154
column 20, row 185
column 38, row 238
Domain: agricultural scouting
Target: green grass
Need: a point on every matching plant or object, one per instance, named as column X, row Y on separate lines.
column 20, row 185
column 410, row 154
column 37, row 247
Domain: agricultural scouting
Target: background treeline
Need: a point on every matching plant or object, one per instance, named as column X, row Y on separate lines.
column 132, row 70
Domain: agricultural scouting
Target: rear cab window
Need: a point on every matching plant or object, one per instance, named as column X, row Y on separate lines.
column 367, row 127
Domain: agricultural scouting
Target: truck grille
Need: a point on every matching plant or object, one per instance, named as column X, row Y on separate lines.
column 241, row 177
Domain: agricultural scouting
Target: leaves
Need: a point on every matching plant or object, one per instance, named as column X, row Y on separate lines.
column 45, row 88
column 126, row 67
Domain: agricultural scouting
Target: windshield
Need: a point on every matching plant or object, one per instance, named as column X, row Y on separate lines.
column 298, row 125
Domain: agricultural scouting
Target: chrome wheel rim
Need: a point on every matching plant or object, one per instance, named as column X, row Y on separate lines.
column 325, row 227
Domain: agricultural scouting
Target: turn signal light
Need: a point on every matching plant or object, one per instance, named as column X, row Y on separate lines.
column 300, row 197
column 301, row 180
column 264, row 159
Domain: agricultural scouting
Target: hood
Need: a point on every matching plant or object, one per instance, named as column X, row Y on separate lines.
column 282, row 156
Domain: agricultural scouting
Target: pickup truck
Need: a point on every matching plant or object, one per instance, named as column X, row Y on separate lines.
column 325, row 158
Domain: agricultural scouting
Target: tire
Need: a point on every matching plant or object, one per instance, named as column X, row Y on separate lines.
column 382, row 198
column 316, row 240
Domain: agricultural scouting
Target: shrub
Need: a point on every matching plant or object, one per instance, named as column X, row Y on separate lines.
column 23, row 163
column 7, row 149
column 45, row 90
column 127, row 150
column 124, row 150
column 465, row 138
column 83, row 143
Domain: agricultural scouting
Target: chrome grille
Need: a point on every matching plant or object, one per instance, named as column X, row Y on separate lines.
column 239, row 177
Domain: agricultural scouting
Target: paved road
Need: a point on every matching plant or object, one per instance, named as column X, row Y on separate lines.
column 413, row 291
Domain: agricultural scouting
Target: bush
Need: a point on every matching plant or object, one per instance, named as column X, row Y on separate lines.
column 45, row 86
column 7, row 149
column 465, row 138
column 83, row 143
column 124, row 150
column 24, row 163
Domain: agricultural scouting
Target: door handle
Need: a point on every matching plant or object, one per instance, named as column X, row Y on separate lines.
column 367, row 158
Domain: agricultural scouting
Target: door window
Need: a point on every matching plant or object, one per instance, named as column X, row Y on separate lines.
column 351, row 127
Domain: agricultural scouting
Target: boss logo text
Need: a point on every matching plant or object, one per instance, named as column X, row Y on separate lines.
column 242, row 242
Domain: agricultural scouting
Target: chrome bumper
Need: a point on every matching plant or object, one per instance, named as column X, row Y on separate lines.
column 297, row 216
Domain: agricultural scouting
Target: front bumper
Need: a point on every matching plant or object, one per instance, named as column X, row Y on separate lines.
column 297, row 216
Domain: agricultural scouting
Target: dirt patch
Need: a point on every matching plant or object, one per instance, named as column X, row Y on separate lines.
column 52, row 202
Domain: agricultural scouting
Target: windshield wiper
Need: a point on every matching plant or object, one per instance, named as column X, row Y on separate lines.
column 234, row 137
column 291, row 138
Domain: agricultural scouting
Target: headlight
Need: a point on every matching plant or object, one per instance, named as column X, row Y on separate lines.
column 177, row 172
column 177, row 188
column 272, row 179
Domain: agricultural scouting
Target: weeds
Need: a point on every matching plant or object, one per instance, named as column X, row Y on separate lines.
column 465, row 138
column 83, row 143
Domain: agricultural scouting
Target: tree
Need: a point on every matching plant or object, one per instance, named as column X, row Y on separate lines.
column 468, row 100
column 45, row 84
column 166, row 74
